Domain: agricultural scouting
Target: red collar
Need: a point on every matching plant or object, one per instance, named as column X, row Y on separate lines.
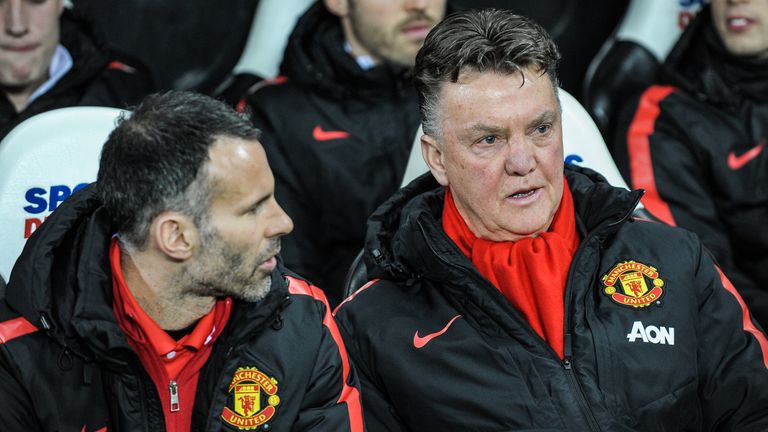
column 143, row 329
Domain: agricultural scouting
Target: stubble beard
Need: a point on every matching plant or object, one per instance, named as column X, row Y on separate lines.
column 220, row 272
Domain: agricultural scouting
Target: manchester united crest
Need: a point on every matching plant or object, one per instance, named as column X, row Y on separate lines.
column 254, row 397
column 627, row 283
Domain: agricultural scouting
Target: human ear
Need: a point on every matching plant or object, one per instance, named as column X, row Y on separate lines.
column 175, row 235
column 340, row 8
column 433, row 154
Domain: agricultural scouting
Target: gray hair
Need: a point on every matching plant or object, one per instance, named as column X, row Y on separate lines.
column 479, row 40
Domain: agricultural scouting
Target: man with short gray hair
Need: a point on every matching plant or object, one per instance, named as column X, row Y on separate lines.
column 509, row 293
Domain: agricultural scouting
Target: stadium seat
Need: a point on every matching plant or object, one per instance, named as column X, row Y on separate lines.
column 629, row 61
column 582, row 145
column 272, row 25
column 42, row 161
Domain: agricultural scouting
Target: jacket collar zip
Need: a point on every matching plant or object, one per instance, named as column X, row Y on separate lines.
column 251, row 318
column 65, row 361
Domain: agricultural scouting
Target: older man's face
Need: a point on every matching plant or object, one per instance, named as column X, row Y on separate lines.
column 29, row 33
column 501, row 152
column 742, row 25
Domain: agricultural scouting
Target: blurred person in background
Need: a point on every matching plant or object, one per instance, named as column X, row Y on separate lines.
column 696, row 141
column 339, row 125
column 50, row 58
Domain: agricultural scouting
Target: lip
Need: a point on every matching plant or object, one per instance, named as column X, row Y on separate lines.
column 738, row 23
column 417, row 30
column 269, row 265
column 19, row 48
column 536, row 193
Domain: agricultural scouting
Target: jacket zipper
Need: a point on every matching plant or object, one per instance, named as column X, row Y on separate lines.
column 567, row 361
column 173, row 391
column 576, row 384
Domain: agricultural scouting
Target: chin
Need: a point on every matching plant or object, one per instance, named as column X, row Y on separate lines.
column 255, row 293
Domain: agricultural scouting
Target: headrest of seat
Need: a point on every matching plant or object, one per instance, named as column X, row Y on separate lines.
column 272, row 24
column 628, row 61
column 42, row 161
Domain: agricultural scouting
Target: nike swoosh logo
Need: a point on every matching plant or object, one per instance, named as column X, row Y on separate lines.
column 419, row 341
column 323, row 135
column 737, row 162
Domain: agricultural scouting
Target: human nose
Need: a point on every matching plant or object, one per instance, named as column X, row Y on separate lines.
column 520, row 158
column 280, row 223
column 16, row 18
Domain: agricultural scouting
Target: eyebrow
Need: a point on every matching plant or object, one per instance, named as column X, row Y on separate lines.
column 258, row 203
column 484, row 128
column 548, row 116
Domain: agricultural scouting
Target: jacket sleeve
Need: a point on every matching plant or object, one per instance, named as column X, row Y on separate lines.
column 332, row 402
column 655, row 150
column 17, row 412
column 733, row 356
column 303, row 246
column 380, row 415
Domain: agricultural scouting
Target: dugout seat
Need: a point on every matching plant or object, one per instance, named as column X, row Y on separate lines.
column 629, row 60
column 271, row 27
column 42, row 161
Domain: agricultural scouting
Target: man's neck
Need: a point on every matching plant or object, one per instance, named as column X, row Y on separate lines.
column 153, row 289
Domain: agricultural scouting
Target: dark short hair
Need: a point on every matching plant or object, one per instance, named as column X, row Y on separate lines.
column 490, row 40
column 151, row 161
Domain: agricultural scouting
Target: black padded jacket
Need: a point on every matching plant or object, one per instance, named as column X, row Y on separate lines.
column 338, row 139
column 696, row 142
column 654, row 338
column 65, row 365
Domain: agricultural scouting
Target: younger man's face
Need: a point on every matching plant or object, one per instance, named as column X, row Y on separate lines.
column 391, row 30
column 29, row 33
column 743, row 26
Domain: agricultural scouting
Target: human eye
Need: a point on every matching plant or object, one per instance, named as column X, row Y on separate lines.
column 488, row 140
column 543, row 129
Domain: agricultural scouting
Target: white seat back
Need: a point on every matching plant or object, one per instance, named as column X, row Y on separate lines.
column 272, row 24
column 582, row 145
column 652, row 24
column 42, row 161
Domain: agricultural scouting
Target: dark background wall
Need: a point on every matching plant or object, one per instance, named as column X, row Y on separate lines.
column 193, row 44
column 578, row 26
column 188, row 44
